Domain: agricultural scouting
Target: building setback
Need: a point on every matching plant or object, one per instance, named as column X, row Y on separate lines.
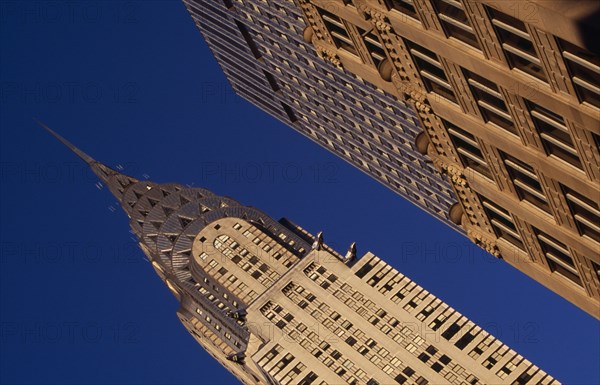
column 483, row 113
column 275, row 305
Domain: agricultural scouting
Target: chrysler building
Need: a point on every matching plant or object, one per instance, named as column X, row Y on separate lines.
column 275, row 305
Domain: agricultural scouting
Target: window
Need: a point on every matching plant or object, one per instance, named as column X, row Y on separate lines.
column 338, row 31
column 526, row 182
column 596, row 269
column 468, row 149
column 554, row 134
column 584, row 69
column 431, row 71
column 373, row 45
column 455, row 22
column 404, row 6
column 586, row 213
column 451, row 331
column 517, row 44
column 249, row 40
column 558, row 257
column 490, row 102
column 501, row 222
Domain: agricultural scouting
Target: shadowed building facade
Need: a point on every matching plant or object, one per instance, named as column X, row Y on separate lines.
column 275, row 305
column 483, row 113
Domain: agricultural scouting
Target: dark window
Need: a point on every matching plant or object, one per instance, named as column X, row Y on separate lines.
column 365, row 270
column 596, row 269
column 338, row 31
column 490, row 101
column 584, row 68
column 464, row 341
column 558, row 257
column 373, row 45
column 455, row 22
column 502, row 222
column 431, row 71
column 431, row 349
column 586, row 213
column 554, row 134
column 523, row 379
column 405, row 6
column 308, row 379
column 246, row 35
column 526, row 182
column 517, row 44
column 289, row 111
column 272, row 81
column 400, row 379
column 437, row 367
column 468, row 149
column 451, row 331
column 256, row 274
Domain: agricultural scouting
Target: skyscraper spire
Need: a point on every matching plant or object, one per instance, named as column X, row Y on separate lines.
column 116, row 182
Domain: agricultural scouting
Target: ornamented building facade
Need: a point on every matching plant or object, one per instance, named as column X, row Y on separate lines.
column 483, row 113
column 275, row 305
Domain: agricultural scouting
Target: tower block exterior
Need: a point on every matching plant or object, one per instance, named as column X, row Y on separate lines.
column 483, row 113
column 275, row 305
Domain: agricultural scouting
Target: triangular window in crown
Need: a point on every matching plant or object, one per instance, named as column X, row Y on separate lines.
column 184, row 200
column 172, row 237
column 184, row 221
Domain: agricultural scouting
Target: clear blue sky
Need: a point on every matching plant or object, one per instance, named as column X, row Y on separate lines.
column 133, row 83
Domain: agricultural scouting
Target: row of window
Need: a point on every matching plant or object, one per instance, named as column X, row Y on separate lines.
column 552, row 129
column 346, row 331
column 517, row 45
column 453, row 327
column 405, row 334
column 558, row 257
